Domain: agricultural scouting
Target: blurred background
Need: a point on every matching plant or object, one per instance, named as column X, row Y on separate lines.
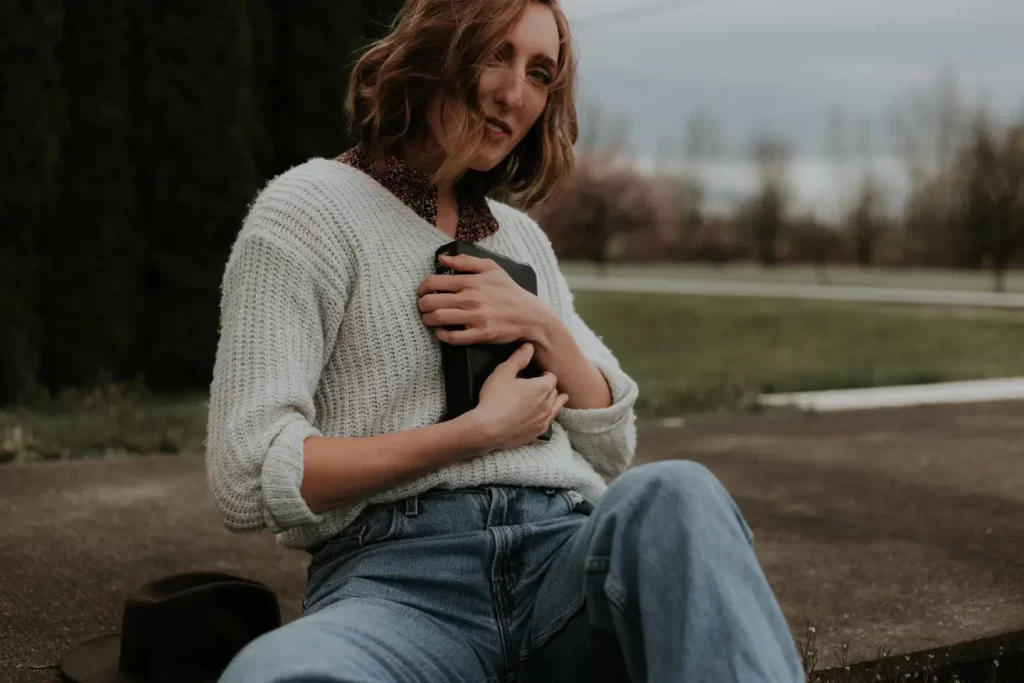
column 727, row 146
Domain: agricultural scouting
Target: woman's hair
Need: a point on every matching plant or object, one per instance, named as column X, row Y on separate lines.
column 444, row 44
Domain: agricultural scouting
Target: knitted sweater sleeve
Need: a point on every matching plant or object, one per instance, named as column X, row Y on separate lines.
column 268, row 363
column 605, row 437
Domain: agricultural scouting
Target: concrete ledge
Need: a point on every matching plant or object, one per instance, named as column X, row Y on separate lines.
column 782, row 290
column 892, row 528
column 1007, row 389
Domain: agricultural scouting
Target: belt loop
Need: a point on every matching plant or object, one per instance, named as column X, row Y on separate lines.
column 412, row 506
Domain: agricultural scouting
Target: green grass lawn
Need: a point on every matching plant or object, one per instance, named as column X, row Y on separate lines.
column 699, row 354
column 689, row 354
column 114, row 423
column 838, row 275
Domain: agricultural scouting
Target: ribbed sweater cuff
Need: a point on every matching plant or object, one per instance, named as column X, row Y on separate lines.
column 597, row 420
column 283, row 505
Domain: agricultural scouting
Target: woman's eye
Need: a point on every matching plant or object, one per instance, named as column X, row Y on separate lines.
column 542, row 76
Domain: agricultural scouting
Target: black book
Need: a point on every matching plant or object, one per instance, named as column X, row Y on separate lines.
column 467, row 366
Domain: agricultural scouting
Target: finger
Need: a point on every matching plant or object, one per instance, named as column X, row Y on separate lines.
column 519, row 359
column 432, row 302
column 443, row 283
column 550, row 379
column 467, row 263
column 447, row 316
column 471, row 335
column 560, row 403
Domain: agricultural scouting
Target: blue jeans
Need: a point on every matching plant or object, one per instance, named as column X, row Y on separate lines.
column 504, row 583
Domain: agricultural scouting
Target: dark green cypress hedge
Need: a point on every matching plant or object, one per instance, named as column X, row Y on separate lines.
column 198, row 173
column 93, row 296
column 135, row 136
column 32, row 120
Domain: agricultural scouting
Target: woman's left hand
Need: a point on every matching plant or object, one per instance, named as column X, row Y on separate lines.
column 484, row 299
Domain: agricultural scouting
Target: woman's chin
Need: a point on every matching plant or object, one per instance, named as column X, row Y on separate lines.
column 488, row 159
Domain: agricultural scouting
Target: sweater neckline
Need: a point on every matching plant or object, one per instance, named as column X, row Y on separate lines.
column 416, row 189
column 377, row 186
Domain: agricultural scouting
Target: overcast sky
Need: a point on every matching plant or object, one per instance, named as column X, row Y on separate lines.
column 783, row 64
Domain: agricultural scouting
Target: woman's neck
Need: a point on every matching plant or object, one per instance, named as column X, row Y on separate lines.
column 427, row 158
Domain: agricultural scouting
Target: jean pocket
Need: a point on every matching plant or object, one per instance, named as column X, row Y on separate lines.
column 375, row 524
column 576, row 503
column 571, row 499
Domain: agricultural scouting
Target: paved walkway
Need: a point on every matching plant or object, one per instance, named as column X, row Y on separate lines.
column 895, row 528
column 974, row 391
column 654, row 285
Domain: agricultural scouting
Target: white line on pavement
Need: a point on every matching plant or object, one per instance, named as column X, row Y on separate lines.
column 1006, row 389
column 939, row 297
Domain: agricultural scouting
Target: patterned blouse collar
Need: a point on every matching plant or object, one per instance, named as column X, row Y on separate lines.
column 417, row 190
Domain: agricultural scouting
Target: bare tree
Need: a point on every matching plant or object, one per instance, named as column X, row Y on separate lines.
column 864, row 223
column 864, row 220
column 908, row 146
column 948, row 122
column 590, row 129
column 838, row 152
column 772, row 156
column 929, row 127
column 702, row 137
column 994, row 195
column 815, row 242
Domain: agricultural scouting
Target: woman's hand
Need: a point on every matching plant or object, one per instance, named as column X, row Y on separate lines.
column 484, row 299
column 514, row 411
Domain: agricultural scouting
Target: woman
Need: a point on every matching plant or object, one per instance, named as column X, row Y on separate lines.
column 466, row 549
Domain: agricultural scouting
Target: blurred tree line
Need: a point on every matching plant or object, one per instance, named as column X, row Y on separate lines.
column 134, row 136
column 964, row 208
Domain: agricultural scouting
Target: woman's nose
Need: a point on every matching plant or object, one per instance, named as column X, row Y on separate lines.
column 510, row 95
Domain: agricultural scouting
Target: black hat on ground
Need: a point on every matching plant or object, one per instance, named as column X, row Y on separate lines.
column 183, row 628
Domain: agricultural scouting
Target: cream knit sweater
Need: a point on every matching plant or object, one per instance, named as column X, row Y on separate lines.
column 321, row 335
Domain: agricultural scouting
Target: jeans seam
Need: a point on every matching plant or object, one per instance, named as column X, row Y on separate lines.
column 538, row 641
column 617, row 597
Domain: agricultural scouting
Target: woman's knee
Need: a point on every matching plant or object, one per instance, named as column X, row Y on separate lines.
column 684, row 480
column 683, row 491
column 280, row 656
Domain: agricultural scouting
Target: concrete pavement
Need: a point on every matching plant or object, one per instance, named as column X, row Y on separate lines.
column 974, row 391
column 896, row 528
column 933, row 297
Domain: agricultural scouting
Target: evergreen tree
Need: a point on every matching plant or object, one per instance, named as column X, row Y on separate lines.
column 264, row 55
column 93, row 276
column 318, row 42
column 198, row 175
column 316, row 45
column 32, row 119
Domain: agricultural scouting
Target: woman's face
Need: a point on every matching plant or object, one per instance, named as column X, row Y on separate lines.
column 513, row 90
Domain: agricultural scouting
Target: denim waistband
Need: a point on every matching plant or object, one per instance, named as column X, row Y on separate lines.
column 411, row 504
column 441, row 511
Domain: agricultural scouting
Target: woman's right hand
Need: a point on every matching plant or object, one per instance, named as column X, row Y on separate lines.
column 515, row 411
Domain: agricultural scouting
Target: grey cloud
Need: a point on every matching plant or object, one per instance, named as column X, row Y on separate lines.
column 784, row 63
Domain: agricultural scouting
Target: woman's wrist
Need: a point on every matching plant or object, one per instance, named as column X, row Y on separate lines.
column 471, row 434
column 557, row 351
column 339, row 470
column 543, row 329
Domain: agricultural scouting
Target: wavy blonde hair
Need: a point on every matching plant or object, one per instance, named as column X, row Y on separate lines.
column 443, row 44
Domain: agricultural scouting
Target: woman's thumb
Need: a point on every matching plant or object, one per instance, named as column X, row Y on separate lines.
column 521, row 358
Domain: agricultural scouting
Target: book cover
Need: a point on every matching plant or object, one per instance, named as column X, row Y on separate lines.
column 467, row 367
